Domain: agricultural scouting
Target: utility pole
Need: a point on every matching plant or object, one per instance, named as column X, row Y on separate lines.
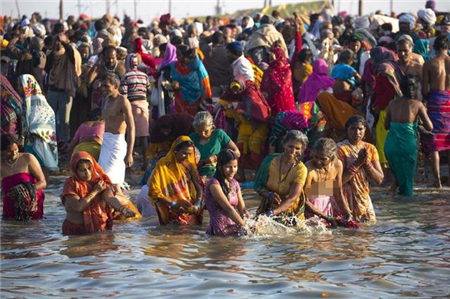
column 18, row 9
column 61, row 10
column 107, row 6
column 135, row 10
column 360, row 9
column 79, row 8
column 218, row 7
column 392, row 6
column 170, row 7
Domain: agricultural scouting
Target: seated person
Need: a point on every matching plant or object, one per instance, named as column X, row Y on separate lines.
column 345, row 77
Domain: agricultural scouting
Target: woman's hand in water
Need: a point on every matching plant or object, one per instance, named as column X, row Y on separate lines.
column 127, row 212
column 184, row 205
column 100, row 186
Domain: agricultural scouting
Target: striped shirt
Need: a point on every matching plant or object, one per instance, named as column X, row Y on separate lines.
column 135, row 85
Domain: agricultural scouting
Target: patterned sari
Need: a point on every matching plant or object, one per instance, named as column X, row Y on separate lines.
column 171, row 180
column 41, row 136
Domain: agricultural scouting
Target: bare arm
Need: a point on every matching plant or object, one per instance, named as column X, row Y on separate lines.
column 376, row 173
column 197, row 186
column 130, row 131
column 73, row 203
column 241, row 205
column 425, row 118
column 221, row 199
column 425, row 82
column 36, row 171
column 232, row 146
column 294, row 194
column 339, row 192
column 93, row 72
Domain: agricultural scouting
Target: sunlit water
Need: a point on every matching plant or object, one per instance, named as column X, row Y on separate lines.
column 406, row 254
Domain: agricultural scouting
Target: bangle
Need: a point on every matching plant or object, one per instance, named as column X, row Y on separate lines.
column 353, row 170
column 368, row 166
column 173, row 204
column 330, row 218
column 349, row 215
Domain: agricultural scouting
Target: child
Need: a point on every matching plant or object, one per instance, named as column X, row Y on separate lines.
column 344, row 71
column 223, row 197
column 324, row 183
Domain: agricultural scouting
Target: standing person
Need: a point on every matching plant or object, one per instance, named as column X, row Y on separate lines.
column 174, row 187
column 387, row 87
column 136, row 86
column 12, row 121
column 88, row 198
column 190, row 81
column 64, row 69
column 241, row 66
column 209, row 141
column 405, row 60
column 223, row 197
column 22, row 182
column 316, row 83
column 361, row 164
column 281, row 178
column 436, row 91
column 401, row 143
column 277, row 82
column 116, row 154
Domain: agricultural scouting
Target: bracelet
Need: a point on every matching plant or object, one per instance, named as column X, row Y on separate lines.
column 349, row 215
column 269, row 194
column 173, row 204
column 330, row 218
column 353, row 170
column 198, row 204
column 269, row 213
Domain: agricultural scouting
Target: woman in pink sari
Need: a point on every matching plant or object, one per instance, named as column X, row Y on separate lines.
column 317, row 82
column 22, row 182
column 277, row 83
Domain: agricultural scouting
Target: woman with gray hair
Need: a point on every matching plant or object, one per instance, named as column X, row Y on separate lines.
column 209, row 141
column 281, row 178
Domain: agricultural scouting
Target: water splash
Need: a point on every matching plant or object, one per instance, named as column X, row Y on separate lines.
column 266, row 227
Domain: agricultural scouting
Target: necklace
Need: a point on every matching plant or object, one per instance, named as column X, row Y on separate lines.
column 280, row 179
column 13, row 164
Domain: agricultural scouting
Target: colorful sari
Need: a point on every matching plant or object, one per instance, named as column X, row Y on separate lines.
column 172, row 180
column 318, row 81
column 268, row 177
column 401, row 152
column 98, row 215
column 194, row 85
column 11, row 109
column 41, row 136
column 357, row 189
column 10, row 206
column 438, row 106
column 277, row 83
column 421, row 47
column 286, row 121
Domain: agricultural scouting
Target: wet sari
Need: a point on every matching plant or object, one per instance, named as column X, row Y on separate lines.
column 11, row 109
column 172, row 180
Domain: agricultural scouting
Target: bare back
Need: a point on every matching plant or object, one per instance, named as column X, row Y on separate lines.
column 436, row 74
column 404, row 110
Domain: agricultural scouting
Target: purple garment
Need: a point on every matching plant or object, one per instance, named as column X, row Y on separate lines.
column 170, row 56
column 316, row 82
column 220, row 224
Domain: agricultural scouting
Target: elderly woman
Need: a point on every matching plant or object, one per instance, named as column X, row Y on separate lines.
column 209, row 141
column 22, row 182
column 89, row 199
column 361, row 164
column 174, row 187
column 281, row 178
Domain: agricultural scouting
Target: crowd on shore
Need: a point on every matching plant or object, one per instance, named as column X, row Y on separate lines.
column 320, row 106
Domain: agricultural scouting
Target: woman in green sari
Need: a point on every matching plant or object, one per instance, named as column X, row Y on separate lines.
column 281, row 178
column 401, row 142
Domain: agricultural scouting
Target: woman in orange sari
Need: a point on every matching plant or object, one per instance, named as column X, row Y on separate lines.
column 174, row 187
column 89, row 199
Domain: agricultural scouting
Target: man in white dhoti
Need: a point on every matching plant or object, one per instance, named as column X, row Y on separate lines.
column 116, row 154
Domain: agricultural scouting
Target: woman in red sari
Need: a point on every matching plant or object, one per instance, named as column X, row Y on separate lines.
column 22, row 182
column 277, row 83
column 89, row 198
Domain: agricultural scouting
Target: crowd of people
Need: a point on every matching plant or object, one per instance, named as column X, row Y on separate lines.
column 320, row 106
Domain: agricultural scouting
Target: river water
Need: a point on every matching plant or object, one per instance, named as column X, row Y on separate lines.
column 406, row 254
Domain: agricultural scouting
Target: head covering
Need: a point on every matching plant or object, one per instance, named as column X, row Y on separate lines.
column 95, row 217
column 164, row 20
column 5, row 44
column 408, row 18
column 176, row 32
column 445, row 20
column 170, row 56
column 162, row 39
column 421, row 47
column 427, row 15
column 316, row 82
column 385, row 62
column 362, row 22
column 235, row 48
column 11, row 108
column 39, row 29
column 386, row 38
column 199, row 27
column 97, row 45
column 406, row 37
column 131, row 62
column 266, row 19
column 25, row 22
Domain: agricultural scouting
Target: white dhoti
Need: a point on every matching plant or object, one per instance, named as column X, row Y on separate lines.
column 112, row 155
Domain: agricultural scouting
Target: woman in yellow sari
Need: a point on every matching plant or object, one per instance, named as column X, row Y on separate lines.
column 174, row 187
column 281, row 178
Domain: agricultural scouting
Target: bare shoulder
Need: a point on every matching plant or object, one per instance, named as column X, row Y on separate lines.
column 338, row 164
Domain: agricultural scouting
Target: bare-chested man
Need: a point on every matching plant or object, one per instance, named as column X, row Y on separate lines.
column 436, row 92
column 116, row 154
column 408, row 65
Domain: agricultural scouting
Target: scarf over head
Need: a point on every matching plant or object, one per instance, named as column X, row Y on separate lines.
column 316, row 82
column 385, row 63
column 421, row 48
column 170, row 56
